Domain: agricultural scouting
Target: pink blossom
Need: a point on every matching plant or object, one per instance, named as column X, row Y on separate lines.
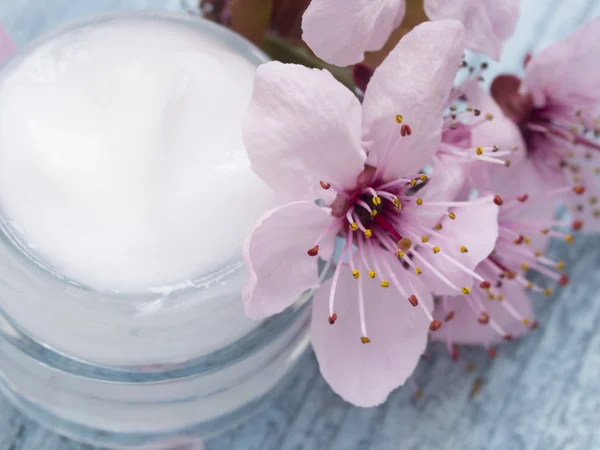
column 503, row 311
column 341, row 31
column 7, row 47
column 554, row 106
column 309, row 138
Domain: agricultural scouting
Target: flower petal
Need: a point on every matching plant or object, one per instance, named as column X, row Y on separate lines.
column 476, row 229
column 501, row 132
column 465, row 328
column 7, row 47
column 302, row 126
column 340, row 31
column 275, row 255
column 414, row 81
column 488, row 23
column 566, row 72
column 365, row 374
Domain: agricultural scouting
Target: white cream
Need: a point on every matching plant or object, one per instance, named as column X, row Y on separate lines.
column 122, row 165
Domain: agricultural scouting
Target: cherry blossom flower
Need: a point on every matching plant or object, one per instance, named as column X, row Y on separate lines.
column 554, row 106
column 502, row 311
column 7, row 47
column 341, row 31
column 309, row 138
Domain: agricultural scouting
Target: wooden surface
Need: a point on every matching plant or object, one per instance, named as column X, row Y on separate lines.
column 542, row 392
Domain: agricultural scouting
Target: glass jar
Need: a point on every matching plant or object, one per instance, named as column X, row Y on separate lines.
column 127, row 370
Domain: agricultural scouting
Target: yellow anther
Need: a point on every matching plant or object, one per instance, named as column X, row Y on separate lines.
column 463, row 249
column 365, row 340
column 368, row 233
column 436, row 249
column 424, row 239
column 438, row 226
column 529, row 285
column 419, row 201
column 356, row 274
column 452, row 215
column 385, row 284
column 507, row 163
column 548, row 291
column 423, row 177
column 397, row 204
column 354, row 226
column 404, row 244
column 418, row 271
column 527, row 240
column 489, row 116
column 400, row 254
column 376, row 201
column 569, row 238
column 525, row 321
column 514, row 148
column 538, row 253
column 479, row 151
column 399, row 118
column 560, row 266
column 469, row 108
column 466, row 290
column 372, row 274
column 413, row 182
column 491, row 297
column 373, row 213
column 524, row 266
column 453, row 108
column 500, row 297
column 570, row 154
column 593, row 200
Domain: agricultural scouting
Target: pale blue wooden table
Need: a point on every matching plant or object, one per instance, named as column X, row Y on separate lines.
column 542, row 392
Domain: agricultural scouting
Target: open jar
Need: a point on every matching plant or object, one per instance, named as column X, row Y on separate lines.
column 107, row 364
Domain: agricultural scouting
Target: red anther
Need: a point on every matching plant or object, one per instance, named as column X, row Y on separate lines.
column 455, row 353
column 519, row 240
column 577, row 225
column 449, row 316
column 405, row 130
column 332, row 318
column 484, row 318
column 413, row 300
column 492, row 352
column 498, row 200
column 523, row 198
column 508, row 337
column 564, row 280
column 435, row 325
column 485, row 285
column 324, row 185
column 476, row 112
column 313, row 251
column 511, row 275
column 533, row 325
column 578, row 190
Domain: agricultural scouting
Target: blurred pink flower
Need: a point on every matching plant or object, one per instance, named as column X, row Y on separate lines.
column 341, row 31
column 502, row 311
column 7, row 47
column 309, row 138
column 555, row 107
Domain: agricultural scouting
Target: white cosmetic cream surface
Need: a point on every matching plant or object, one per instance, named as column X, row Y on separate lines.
column 122, row 165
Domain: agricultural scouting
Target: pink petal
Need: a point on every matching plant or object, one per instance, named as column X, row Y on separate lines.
column 7, row 47
column 476, row 228
column 501, row 132
column 465, row 329
column 488, row 23
column 340, row 31
column 275, row 255
column 566, row 72
column 414, row 81
column 365, row 374
column 302, row 126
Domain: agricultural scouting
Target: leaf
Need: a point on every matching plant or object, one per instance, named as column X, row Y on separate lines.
column 251, row 18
